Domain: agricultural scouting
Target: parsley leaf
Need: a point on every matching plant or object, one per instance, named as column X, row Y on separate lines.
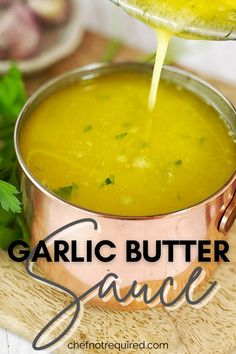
column 178, row 162
column 12, row 94
column 66, row 192
column 8, row 235
column 121, row 136
column 87, row 128
column 8, row 199
column 109, row 181
column 12, row 100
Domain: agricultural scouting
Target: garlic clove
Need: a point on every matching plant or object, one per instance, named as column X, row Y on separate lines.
column 19, row 33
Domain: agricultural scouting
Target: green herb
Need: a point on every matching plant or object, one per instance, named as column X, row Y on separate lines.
column 112, row 50
column 8, row 235
column 12, row 94
column 178, row 162
column 228, row 34
column 109, row 181
column 6, row 217
column 8, row 199
column 201, row 140
column 87, row 128
column 66, row 192
column 22, row 227
column 12, row 99
column 121, row 136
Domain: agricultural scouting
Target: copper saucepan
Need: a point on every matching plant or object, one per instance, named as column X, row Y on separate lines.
column 45, row 212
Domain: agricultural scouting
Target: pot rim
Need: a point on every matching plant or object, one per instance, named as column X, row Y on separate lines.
column 84, row 71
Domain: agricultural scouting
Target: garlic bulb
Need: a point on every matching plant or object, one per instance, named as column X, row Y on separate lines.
column 19, row 33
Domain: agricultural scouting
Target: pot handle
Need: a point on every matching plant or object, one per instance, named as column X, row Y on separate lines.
column 229, row 216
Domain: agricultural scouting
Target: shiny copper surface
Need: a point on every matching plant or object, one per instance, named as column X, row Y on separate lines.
column 45, row 212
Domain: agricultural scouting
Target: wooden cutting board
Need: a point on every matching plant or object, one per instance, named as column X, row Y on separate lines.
column 26, row 306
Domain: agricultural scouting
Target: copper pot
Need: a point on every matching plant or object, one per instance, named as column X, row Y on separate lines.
column 45, row 212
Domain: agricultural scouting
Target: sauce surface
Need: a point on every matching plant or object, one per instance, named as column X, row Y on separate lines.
column 87, row 143
column 178, row 15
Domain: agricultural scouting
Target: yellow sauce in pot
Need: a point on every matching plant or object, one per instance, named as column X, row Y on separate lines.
column 87, row 144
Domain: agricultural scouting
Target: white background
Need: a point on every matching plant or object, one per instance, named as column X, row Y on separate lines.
column 215, row 58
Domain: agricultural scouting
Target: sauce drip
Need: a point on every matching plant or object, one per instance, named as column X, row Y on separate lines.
column 163, row 39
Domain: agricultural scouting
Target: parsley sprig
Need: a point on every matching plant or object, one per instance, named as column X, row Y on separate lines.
column 12, row 99
column 8, row 199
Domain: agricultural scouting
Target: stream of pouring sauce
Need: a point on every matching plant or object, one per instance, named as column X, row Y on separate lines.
column 175, row 17
column 163, row 38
